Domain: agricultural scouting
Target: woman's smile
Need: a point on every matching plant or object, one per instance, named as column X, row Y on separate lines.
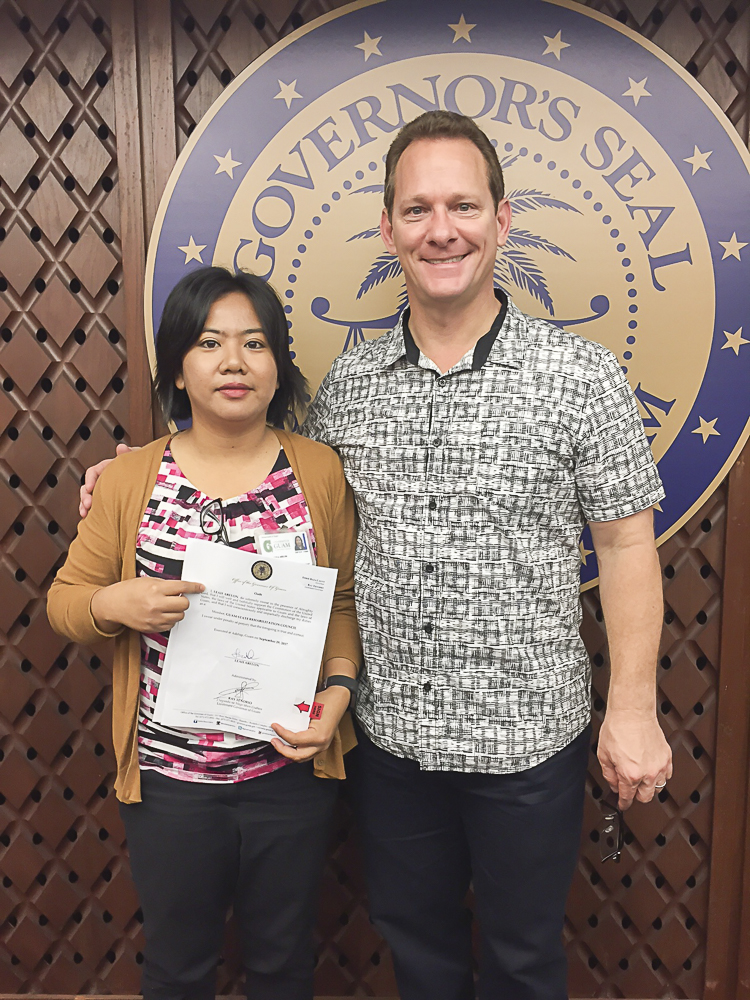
column 234, row 390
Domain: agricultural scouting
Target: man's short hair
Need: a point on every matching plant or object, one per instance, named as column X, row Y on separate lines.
column 443, row 125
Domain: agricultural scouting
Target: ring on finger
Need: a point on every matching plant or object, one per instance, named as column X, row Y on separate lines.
column 664, row 785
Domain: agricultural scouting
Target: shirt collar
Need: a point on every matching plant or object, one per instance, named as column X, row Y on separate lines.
column 507, row 349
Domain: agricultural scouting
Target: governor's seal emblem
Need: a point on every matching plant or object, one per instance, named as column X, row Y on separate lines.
column 262, row 570
column 630, row 193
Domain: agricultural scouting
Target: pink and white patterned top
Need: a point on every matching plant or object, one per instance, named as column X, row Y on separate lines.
column 172, row 516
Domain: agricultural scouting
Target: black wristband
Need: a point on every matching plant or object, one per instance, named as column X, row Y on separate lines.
column 341, row 680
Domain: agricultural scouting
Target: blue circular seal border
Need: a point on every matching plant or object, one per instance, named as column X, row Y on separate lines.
column 690, row 470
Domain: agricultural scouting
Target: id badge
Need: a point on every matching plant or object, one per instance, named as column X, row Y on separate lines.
column 286, row 543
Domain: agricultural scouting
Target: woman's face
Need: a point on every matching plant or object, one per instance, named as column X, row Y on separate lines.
column 230, row 373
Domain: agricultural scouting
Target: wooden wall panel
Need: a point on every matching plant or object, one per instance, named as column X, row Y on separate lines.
column 68, row 915
column 68, row 923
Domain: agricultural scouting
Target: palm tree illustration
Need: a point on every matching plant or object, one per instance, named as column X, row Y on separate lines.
column 514, row 265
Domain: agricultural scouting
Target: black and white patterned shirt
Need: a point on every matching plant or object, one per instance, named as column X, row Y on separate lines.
column 472, row 489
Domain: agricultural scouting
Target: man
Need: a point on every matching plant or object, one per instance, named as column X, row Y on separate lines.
column 478, row 441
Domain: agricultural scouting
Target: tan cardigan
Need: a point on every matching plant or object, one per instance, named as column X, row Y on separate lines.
column 104, row 553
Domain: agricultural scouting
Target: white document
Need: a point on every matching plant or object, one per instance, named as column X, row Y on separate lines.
column 248, row 650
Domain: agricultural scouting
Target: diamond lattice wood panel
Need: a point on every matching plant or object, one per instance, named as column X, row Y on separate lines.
column 638, row 928
column 214, row 41
column 710, row 39
column 68, row 909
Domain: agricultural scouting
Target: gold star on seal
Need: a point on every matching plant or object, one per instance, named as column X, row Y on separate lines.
column 555, row 45
column 226, row 164
column 637, row 90
column 699, row 161
column 707, row 429
column 732, row 247
column 287, row 93
column 735, row 341
column 193, row 251
column 370, row 46
column 585, row 553
column 461, row 30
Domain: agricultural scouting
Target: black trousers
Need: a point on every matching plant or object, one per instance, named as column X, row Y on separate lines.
column 427, row 834
column 197, row 848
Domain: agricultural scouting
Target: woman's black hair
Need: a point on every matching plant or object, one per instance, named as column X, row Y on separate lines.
column 184, row 319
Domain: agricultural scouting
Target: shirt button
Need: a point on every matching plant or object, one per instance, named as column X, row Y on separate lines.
column 437, row 442
column 428, row 629
column 427, row 687
column 432, row 504
column 429, row 568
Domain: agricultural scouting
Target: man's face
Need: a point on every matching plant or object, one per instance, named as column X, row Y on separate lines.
column 444, row 226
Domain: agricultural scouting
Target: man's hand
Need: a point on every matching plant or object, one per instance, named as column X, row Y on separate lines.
column 144, row 604
column 92, row 474
column 321, row 730
column 634, row 755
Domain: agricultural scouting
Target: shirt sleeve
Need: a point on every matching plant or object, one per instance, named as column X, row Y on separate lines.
column 615, row 471
column 317, row 424
column 94, row 561
column 343, row 633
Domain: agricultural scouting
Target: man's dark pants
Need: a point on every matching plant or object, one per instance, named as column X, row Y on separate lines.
column 428, row 834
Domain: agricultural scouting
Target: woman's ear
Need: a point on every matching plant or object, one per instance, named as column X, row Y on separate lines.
column 179, row 381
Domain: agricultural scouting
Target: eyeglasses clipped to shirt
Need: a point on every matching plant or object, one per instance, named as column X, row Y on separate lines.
column 212, row 519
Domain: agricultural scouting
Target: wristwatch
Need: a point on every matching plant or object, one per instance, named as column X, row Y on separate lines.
column 341, row 680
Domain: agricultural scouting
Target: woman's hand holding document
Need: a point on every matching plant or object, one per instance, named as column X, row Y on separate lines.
column 248, row 650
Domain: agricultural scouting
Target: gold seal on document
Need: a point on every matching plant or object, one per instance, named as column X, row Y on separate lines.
column 262, row 570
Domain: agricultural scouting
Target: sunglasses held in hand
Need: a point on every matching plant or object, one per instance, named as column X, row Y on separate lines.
column 611, row 832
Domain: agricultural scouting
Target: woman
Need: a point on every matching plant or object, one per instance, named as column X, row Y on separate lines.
column 213, row 819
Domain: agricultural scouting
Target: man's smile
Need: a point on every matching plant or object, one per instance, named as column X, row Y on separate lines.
column 445, row 260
